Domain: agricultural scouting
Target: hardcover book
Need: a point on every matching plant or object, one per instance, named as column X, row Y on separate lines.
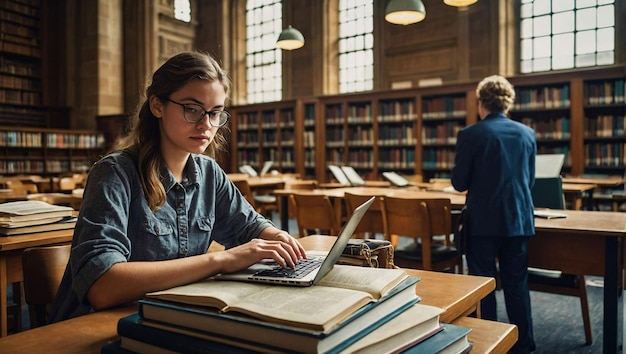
column 196, row 320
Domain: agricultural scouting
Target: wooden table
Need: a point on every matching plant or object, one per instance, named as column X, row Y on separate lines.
column 456, row 294
column 460, row 298
column 576, row 190
column 7, row 195
column 590, row 243
column 611, row 181
column 11, row 248
column 337, row 194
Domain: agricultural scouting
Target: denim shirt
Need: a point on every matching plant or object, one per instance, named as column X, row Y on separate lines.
column 116, row 225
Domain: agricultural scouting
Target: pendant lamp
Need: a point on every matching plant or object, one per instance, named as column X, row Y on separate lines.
column 459, row 3
column 290, row 39
column 405, row 12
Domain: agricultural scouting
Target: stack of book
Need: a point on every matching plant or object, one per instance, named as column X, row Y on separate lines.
column 34, row 216
column 352, row 310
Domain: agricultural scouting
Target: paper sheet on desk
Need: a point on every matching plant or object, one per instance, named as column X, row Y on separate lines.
column 545, row 214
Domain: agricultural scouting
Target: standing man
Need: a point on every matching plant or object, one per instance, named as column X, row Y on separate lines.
column 495, row 164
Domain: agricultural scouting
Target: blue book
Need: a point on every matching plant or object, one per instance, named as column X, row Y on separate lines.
column 136, row 337
column 201, row 320
column 451, row 340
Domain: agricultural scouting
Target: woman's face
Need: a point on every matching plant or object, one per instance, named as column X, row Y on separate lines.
column 178, row 136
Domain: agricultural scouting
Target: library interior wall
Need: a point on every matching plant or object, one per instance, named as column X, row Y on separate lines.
column 107, row 61
column 97, row 56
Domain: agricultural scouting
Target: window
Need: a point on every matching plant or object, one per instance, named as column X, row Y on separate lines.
column 356, row 44
column 263, row 58
column 182, row 10
column 564, row 34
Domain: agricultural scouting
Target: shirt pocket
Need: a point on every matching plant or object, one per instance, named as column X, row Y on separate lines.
column 205, row 224
column 157, row 228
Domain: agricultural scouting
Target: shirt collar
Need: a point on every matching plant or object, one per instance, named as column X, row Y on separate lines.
column 192, row 174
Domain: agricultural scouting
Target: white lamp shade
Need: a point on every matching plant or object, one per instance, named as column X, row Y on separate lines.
column 405, row 12
column 290, row 39
column 459, row 3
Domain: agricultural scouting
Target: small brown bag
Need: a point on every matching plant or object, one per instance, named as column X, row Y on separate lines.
column 371, row 253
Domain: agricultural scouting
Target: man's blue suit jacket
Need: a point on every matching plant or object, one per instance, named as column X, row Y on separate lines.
column 495, row 163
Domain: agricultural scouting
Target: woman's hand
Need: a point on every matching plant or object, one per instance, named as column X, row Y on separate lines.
column 286, row 253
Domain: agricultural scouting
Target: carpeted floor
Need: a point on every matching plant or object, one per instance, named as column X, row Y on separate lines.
column 558, row 324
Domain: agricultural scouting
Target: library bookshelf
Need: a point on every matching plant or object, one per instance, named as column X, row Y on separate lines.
column 21, row 87
column 48, row 151
column 268, row 132
column 579, row 113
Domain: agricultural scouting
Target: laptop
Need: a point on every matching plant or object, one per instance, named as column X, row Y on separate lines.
column 353, row 176
column 339, row 175
column 396, row 179
column 315, row 267
column 548, row 165
column 266, row 168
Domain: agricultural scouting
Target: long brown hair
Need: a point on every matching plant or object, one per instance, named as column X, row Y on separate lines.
column 144, row 140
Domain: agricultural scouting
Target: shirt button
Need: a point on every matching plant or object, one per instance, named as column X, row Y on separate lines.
column 184, row 250
column 181, row 204
column 183, row 229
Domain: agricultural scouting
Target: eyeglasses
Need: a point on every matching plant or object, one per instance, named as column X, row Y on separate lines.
column 194, row 113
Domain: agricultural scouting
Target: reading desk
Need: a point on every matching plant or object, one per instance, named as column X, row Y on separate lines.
column 590, row 243
column 11, row 248
column 456, row 294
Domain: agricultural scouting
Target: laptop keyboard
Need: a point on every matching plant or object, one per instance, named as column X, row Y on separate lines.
column 304, row 267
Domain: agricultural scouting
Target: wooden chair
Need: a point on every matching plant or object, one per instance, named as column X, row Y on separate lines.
column 548, row 193
column 264, row 204
column 315, row 212
column 372, row 222
column 43, row 268
column 67, row 184
column 421, row 219
column 297, row 184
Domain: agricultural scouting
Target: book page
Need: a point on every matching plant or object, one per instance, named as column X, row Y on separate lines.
column 209, row 293
column 375, row 281
column 317, row 308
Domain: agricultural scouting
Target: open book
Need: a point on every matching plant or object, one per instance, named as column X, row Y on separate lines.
column 338, row 295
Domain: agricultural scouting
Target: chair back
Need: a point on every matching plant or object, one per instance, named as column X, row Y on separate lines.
column 246, row 191
column 372, row 222
column 421, row 219
column 298, row 184
column 315, row 212
column 406, row 217
column 548, row 193
column 67, row 183
column 43, row 268
column 440, row 213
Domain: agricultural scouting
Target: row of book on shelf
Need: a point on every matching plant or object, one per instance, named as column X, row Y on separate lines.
column 352, row 309
column 29, row 216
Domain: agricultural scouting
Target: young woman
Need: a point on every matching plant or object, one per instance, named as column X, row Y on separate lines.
column 152, row 207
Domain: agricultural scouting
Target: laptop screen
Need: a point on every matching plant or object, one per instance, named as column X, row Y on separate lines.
column 339, row 175
column 353, row 176
column 342, row 240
